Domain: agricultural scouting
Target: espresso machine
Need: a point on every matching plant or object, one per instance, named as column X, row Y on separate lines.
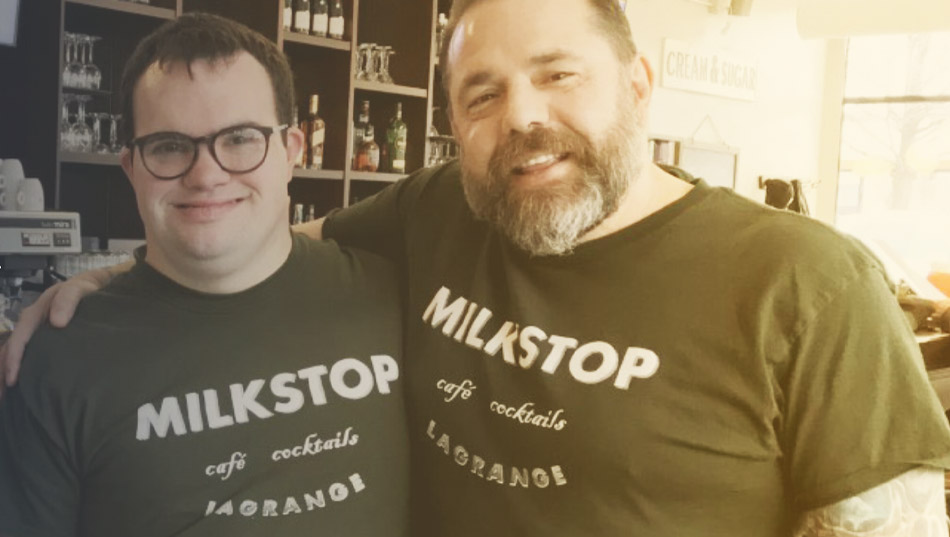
column 28, row 240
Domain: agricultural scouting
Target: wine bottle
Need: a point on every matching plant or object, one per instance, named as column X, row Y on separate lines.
column 395, row 143
column 288, row 14
column 359, row 130
column 315, row 130
column 321, row 18
column 302, row 16
column 336, row 19
column 367, row 160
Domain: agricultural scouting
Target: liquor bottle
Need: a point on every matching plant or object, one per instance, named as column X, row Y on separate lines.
column 315, row 130
column 394, row 147
column 311, row 213
column 367, row 160
column 359, row 130
column 298, row 214
column 321, row 18
column 288, row 14
column 302, row 155
column 302, row 16
column 336, row 19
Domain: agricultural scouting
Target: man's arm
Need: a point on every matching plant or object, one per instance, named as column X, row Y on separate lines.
column 910, row 505
column 39, row 485
column 57, row 304
column 312, row 229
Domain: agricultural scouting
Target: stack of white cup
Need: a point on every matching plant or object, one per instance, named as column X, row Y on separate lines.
column 17, row 192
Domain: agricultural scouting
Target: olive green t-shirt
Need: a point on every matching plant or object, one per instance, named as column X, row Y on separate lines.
column 712, row 370
column 164, row 411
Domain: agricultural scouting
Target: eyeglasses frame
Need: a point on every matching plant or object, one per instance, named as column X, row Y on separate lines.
column 207, row 140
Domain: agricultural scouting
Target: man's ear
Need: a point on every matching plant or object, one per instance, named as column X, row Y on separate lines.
column 295, row 143
column 125, row 159
column 642, row 78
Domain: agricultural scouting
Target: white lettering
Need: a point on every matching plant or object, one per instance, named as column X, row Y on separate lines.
column 293, row 398
column 160, row 421
column 606, row 368
column 339, row 371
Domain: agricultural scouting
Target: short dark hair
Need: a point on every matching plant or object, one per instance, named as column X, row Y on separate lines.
column 203, row 36
column 608, row 17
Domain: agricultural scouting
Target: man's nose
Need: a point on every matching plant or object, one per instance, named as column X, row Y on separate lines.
column 206, row 173
column 526, row 107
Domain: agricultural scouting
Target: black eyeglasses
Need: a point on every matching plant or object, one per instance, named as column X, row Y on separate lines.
column 238, row 149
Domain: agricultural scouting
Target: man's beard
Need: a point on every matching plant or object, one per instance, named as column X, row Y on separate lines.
column 552, row 219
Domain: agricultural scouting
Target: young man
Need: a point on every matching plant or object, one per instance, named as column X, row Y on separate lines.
column 599, row 348
column 238, row 380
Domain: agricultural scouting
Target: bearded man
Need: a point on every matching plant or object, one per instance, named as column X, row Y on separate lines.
column 596, row 347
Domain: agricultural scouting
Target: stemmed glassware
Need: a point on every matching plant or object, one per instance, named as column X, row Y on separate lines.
column 80, row 70
column 384, row 54
column 73, row 71
column 362, row 61
column 92, row 74
column 100, row 146
column 80, row 131
column 372, row 63
column 67, row 140
column 114, row 145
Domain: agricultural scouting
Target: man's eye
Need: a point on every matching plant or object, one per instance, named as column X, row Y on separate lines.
column 242, row 137
column 480, row 100
column 168, row 147
column 558, row 77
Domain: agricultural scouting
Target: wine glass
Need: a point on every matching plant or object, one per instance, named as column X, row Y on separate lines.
column 80, row 129
column 91, row 73
column 362, row 54
column 384, row 54
column 100, row 146
column 114, row 145
column 372, row 67
column 73, row 70
column 66, row 139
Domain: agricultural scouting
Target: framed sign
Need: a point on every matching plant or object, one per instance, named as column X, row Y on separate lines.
column 716, row 164
column 9, row 11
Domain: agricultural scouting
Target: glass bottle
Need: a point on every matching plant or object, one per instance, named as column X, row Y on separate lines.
column 336, row 19
column 367, row 160
column 315, row 130
column 359, row 130
column 288, row 14
column 302, row 16
column 321, row 18
column 298, row 214
column 394, row 146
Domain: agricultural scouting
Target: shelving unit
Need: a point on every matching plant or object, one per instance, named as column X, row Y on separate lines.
column 94, row 184
column 146, row 10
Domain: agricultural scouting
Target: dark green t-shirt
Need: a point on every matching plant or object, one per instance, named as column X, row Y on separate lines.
column 712, row 370
column 163, row 411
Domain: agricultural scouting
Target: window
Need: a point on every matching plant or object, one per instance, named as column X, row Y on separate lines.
column 894, row 176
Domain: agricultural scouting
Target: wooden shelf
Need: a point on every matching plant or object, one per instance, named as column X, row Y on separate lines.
column 129, row 7
column 394, row 89
column 312, row 40
column 303, row 173
column 87, row 91
column 378, row 177
column 99, row 159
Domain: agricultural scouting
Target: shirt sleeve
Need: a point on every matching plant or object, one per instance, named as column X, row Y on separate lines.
column 39, row 487
column 859, row 407
column 378, row 224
